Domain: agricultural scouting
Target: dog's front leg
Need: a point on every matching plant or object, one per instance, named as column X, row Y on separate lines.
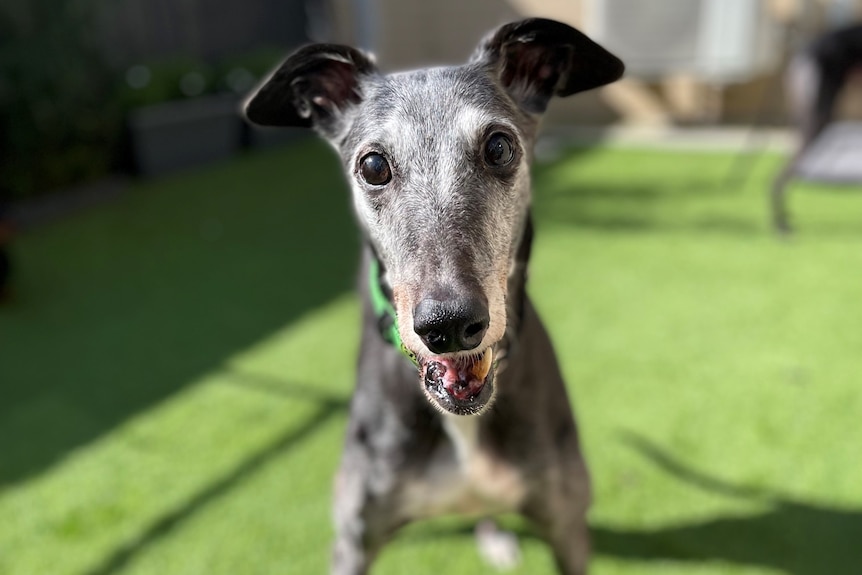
column 559, row 511
column 365, row 512
column 350, row 554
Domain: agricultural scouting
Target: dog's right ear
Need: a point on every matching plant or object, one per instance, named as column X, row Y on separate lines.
column 313, row 87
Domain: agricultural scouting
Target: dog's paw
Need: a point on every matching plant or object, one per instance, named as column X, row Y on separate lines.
column 498, row 548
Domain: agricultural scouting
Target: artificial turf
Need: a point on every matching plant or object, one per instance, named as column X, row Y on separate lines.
column 175, row 368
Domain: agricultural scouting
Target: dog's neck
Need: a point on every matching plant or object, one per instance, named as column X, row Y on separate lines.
column 516, row 296
column 380, row 295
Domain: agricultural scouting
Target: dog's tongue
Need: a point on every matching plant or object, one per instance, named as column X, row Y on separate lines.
column 461, row 378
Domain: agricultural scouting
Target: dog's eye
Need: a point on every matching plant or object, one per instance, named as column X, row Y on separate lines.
column 499, row 150
column 374, row 169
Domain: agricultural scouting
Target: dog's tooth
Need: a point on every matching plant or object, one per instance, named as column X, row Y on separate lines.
column 483, row 365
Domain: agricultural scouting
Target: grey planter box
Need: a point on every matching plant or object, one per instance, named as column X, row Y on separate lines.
column 178, row 135
column 261, row 137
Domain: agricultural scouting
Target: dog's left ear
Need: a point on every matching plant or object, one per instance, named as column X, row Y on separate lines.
column 536, row 59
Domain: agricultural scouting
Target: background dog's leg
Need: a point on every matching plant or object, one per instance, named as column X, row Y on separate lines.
column 813, row 122
column 778, row 200
column 813, row 87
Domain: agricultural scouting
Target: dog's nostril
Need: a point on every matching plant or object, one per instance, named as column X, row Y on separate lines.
column 435, row 336
column 474, row 329
column 473, row 334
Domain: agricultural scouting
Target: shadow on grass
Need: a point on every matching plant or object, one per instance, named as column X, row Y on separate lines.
column 120, row 307
column 278, row 387
column 793, row 536
column 627, row 200
column 166, row 524
column 639, row 208
column 616, row 207
column 646, row 192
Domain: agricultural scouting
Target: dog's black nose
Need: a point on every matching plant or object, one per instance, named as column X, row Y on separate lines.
column 451, row 325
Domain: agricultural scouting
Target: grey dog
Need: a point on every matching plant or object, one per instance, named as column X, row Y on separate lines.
column 459, row 404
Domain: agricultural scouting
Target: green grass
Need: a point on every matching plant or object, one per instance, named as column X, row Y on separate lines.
column 175, row 369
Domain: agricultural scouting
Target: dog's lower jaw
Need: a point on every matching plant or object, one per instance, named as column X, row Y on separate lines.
column 471, row 392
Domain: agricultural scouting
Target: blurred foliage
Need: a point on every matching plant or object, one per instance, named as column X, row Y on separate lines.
column 162, row 81
column 258, row 62
column 63, row 109
column 176, row 78
column 58, row 123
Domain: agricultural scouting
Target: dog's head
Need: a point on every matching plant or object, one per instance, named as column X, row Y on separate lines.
column 438, row 161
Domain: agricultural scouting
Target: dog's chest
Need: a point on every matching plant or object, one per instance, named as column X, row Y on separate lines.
column 465, row 480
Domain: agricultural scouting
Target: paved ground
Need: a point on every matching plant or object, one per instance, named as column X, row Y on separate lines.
column 836, row 156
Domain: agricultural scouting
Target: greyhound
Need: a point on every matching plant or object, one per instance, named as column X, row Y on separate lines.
column 459, row 405
column 814, row 81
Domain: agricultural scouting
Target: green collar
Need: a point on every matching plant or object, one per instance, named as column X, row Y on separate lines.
column 387, row 319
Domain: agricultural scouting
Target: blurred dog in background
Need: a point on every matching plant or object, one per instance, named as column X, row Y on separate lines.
column 814, row 81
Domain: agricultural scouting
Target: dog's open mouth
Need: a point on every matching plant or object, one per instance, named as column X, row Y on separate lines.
column 459, row 385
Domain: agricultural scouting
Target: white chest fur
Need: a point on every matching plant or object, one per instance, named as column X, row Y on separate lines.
column 466, row 480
